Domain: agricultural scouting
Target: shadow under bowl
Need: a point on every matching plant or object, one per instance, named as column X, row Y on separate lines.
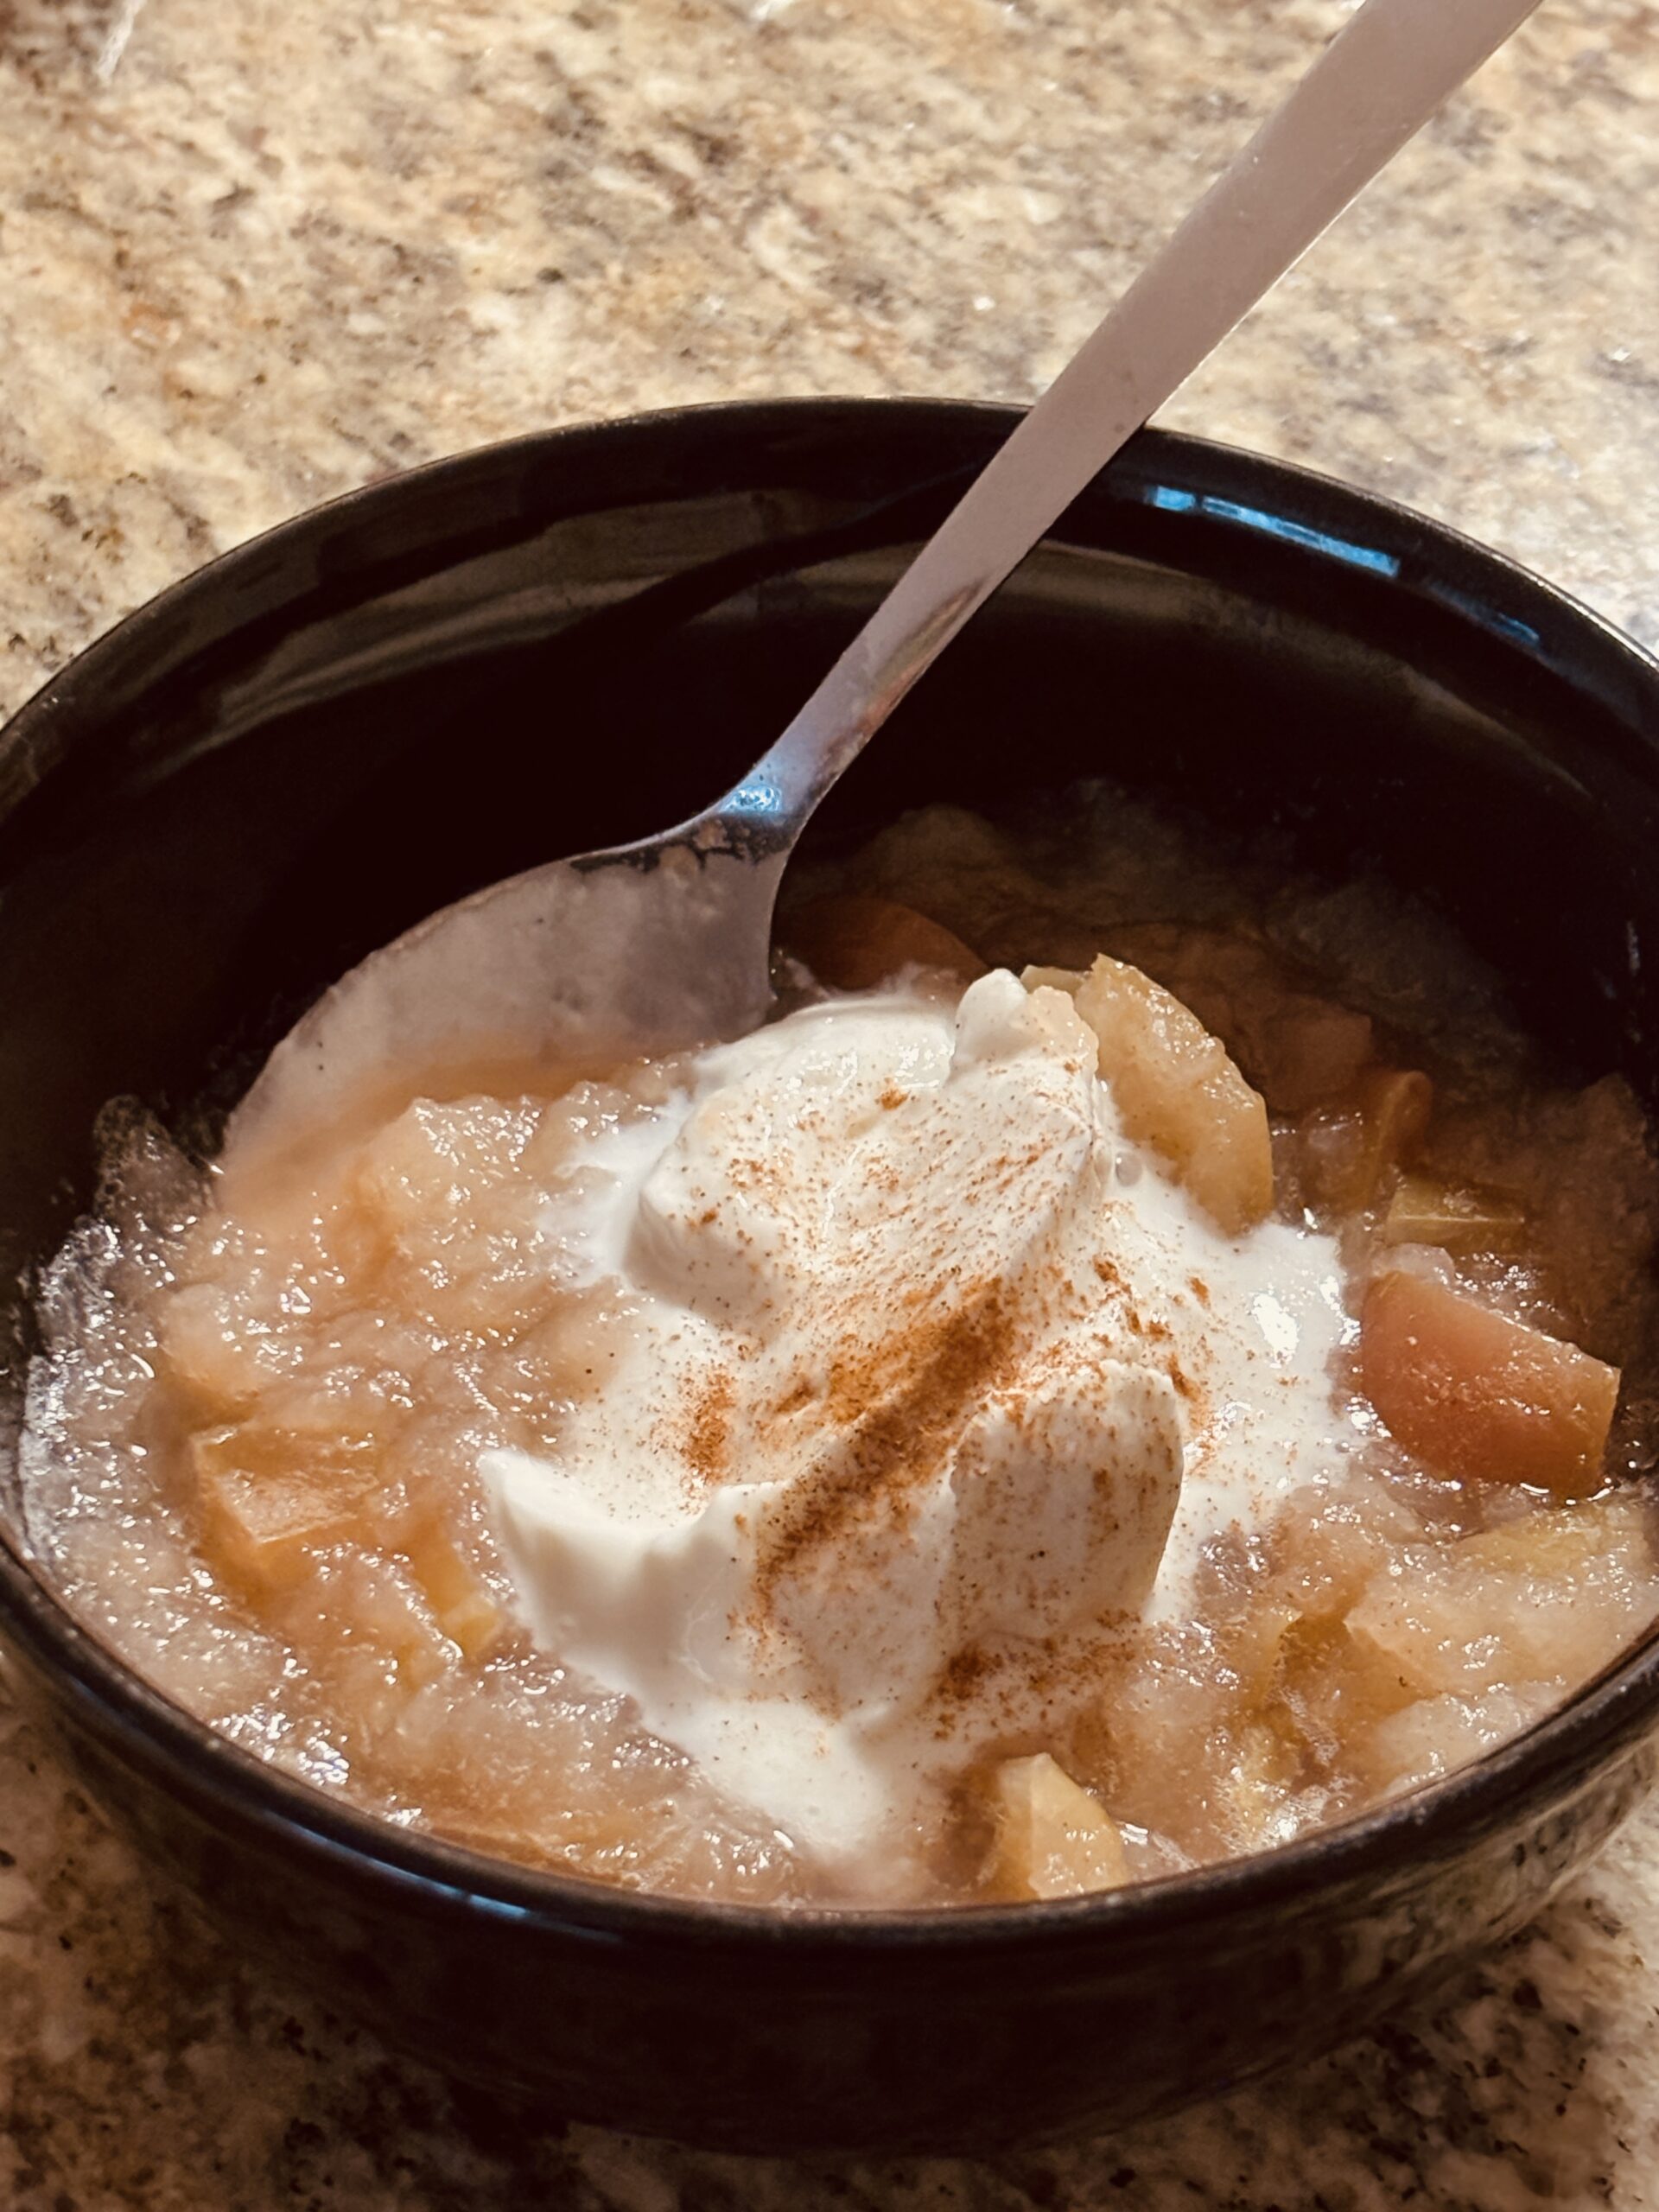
column 299, row 750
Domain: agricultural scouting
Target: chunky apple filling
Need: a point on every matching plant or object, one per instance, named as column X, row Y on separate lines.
column 1136, row 1363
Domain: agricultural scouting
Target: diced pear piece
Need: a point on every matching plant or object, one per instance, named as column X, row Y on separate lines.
column 1476, row 1394
column 1255, row 1789
column 461, row 1604
column 1456, row 1217
column 222, row 1364
column 388, row 1611
column 1177, row 1090
column 854, row 942
column 1294, row 1046
column 420, row 1170
column 1567, row 1545
column 1325, row 1546
column 1351, row 1149
column 1394, row 1104
column 263, row 1515
column 1433, row 1736
column 1256, row 1644
column 1053, row 1840
column 1551, row 1597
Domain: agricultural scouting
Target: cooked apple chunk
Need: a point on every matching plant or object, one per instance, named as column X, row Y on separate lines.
column 853, row 943
column 1353, row 1148
column 1455, row 1217
column 267, row 1510
column 461, row 1604
column 1476, row 1394
column 224, row 1366
column 1256, row 1784
column 1434, row 1735
column 1549, row 1599
column 1053, row 1839
column 1294, row 1045
column 1178, row 1091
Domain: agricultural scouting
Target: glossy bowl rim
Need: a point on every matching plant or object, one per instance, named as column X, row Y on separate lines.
column 1604, row 1716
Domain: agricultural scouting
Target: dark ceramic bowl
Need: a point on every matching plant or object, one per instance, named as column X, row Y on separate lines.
column 295, row 753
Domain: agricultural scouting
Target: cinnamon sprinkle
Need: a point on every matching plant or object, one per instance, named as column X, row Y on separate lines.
column 707, row 1444
column 903, row 1400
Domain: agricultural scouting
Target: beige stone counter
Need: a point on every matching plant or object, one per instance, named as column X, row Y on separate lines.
column 262, row 253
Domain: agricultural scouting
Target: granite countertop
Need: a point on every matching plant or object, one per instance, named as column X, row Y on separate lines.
column 253, row 256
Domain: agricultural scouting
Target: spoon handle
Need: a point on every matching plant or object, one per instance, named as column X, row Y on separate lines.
column 1374, row 87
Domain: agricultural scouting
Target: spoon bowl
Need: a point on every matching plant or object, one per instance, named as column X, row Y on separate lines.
column 641, row 948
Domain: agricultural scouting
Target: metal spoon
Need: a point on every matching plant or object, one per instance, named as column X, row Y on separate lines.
column 653, row 946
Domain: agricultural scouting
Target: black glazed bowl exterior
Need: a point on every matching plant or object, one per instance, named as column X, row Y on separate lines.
column 296, row 752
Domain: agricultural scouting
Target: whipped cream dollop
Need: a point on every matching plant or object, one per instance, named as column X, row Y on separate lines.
column 913, row 1375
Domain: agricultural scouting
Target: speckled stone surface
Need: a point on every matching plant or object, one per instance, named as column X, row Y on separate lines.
column 254, row 255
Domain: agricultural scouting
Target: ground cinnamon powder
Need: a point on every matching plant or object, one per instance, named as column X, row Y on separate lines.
column 901, row 1402
column 707, row 1444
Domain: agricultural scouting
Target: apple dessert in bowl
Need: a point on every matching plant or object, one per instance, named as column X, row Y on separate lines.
column 994, row 1433
column 1098, row 1463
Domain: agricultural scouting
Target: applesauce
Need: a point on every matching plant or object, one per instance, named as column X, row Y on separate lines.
column 255, row 1440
